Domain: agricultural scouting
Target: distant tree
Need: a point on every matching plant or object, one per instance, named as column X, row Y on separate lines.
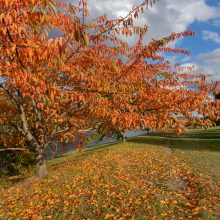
column 217, row 94
column 216, row 116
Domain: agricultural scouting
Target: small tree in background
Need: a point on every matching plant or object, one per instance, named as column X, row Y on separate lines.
column 217, row 105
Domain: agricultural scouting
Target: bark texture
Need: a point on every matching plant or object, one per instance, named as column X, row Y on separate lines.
column 41, row 169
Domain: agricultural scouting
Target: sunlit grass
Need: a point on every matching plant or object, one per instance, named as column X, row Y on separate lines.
column 134, row 180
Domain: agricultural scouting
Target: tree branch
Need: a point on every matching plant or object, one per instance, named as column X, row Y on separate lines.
column 16, row 49
column 13, row 149
column 106, row 30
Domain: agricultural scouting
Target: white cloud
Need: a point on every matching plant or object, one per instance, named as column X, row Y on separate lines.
column 213, row 36
column 208, row 64
column 186, row 59
column 213, row 56
column 211, row 64
column 216, row 22
column 165, row 17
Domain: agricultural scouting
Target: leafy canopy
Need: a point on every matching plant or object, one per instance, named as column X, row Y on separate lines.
column 89, row 76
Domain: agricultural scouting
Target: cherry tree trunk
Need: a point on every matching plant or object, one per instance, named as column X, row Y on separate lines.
column 123, row 138
column 41, row 168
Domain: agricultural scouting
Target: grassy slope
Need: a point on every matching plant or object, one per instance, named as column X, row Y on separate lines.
column 201, row 147
column 149, row 177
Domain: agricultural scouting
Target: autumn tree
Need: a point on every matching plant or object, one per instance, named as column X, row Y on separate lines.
column 89, row 76
column 216, row 103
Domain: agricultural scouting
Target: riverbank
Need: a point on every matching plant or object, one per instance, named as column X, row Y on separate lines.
column 57, row 150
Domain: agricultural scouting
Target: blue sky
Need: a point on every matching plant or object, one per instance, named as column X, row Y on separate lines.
column 201, row 16
column 205, row 45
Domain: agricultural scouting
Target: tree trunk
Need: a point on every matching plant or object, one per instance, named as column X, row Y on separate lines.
column 123, row 138
column 41, row 169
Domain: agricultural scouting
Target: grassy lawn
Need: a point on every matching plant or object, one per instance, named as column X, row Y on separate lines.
column 158, row 176
column 200, row 147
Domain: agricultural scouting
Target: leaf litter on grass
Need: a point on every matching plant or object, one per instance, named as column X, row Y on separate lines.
column 130, row 181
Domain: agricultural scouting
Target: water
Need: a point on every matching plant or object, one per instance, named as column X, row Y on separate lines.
column 57, row 150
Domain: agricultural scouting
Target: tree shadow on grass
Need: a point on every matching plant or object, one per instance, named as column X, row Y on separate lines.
column 194, row 140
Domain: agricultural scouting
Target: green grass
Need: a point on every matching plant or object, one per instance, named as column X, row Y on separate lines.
column 156, row 176
column 194, row 139
column 201, row 147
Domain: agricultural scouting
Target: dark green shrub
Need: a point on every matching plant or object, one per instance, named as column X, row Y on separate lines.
column 15, row 162
column 217, row 123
